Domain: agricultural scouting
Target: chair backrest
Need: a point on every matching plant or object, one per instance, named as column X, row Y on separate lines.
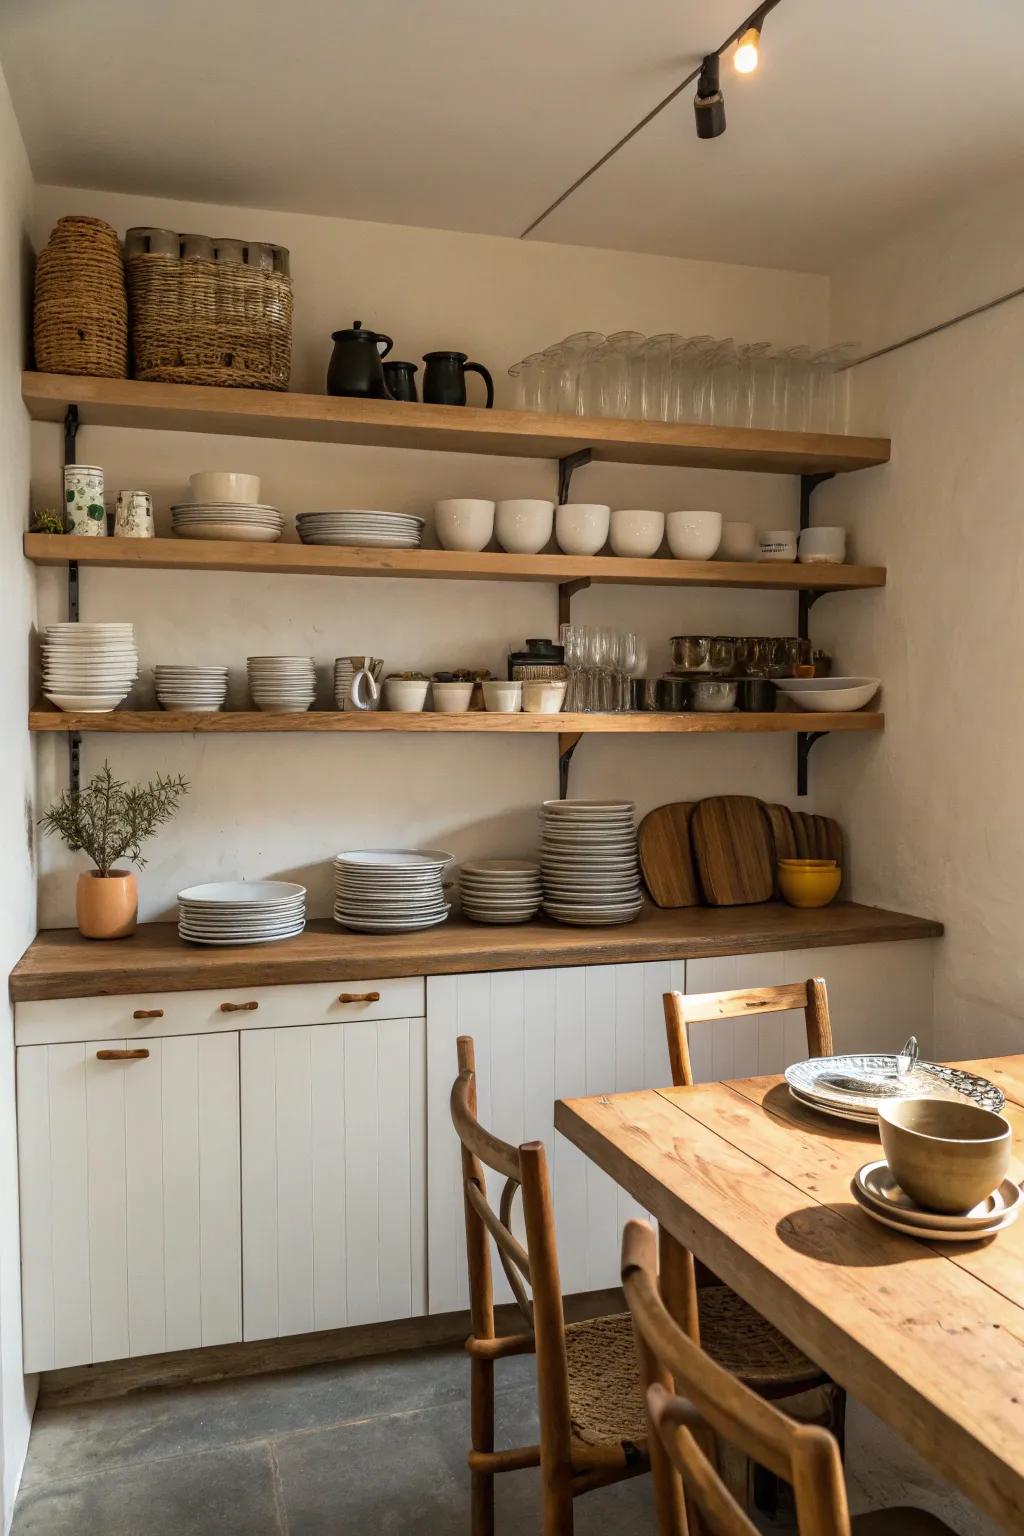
column 682, row 1009
column 714, row 1403
column 523, row 1168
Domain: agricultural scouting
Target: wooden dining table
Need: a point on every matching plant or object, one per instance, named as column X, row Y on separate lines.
column 928, row 1335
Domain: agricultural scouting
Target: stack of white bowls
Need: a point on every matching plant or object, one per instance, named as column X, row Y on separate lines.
column 390, row 890
column 201, row 690
column 500, row 890
column 589, row 862
column 369, row 530
column 241, row 912
column 89, row 667
column 281, row 684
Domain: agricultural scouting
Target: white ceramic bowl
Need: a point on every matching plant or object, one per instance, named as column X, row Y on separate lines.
column 407, row 695
column 693, row 535
column 503, row 698
column 818, row 694
column 543, row 698
column 739, row 542
column 523, row 527
column 636, row 534
column 451, row 698
column 463, row 523
column 224, row 485
column 822, row 546
column 581, row 527
column 778, row 544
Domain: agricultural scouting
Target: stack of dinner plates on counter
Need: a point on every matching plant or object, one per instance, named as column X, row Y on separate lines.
column 500, row 890
column 390, row 890
column 241, row 912
column 281, row 684
column 369, row 530
column 589, row 863
column 201, row 690
column 89, row 667
column 244, row 522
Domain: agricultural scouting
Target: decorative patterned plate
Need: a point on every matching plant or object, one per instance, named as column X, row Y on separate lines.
column 819, row 1082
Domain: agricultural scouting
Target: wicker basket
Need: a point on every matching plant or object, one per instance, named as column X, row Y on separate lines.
column 209, row 322
column 80, row 319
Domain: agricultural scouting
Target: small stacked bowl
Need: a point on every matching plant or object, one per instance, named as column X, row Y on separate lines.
column 809, row 882
column 390, row 890
column 281, row 684
column 201, row 690
column 241, row 912
column 89, row 667
column 589, row 864
column 500, row 890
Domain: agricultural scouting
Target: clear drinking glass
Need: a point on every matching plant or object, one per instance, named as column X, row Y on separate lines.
column 591, row 379
column 724, row 381
column 620, row 374
column 796, row 414
column 750, row 359
column 550, row 371
column 657, row 355
column 687, row 368
column 571, row 637
column 515, row 373
column 531, row 379
column 573, row 352
column 838, row 416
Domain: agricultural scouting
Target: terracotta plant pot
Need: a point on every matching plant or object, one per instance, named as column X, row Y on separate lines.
column 107, row 906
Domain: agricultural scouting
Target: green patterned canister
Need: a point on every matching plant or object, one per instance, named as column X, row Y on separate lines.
column 83, row 500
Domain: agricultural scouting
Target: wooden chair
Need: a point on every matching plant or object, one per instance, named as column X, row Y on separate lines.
column 593, row 1426
column 810, row 997
column 691, row 1495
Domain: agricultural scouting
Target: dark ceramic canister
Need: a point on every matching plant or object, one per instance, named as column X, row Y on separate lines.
column 756, row 695
column 444, row 379
column 674, row 695
column 400, row 379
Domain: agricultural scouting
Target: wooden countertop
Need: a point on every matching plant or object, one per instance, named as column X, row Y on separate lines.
column 60, row 963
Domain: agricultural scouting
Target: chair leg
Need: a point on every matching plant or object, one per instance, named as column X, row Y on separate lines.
column 837, row 1416
column 481, row 1416
column 556, row 1507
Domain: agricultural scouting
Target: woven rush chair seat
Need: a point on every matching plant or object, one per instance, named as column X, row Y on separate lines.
column 744, row 1343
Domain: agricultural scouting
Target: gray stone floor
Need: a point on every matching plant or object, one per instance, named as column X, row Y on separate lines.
column 371, row 1446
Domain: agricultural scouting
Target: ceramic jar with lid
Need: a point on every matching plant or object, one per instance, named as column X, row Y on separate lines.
column 83, row 500
column 542, row 662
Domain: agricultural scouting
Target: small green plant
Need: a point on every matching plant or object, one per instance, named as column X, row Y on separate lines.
column 49, row 521
column 110, row 820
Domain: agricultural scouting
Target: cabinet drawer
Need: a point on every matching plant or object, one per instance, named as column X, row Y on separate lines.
column 144, row 1016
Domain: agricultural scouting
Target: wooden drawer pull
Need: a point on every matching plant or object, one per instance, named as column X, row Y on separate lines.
column 238, row 1007
column 359, row 997
column 138, row 1055
column 148, row 1013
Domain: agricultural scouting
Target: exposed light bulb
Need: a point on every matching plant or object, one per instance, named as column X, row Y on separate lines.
column 747, row 51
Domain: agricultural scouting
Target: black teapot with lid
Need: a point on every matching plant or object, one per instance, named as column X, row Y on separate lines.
column 355, row 368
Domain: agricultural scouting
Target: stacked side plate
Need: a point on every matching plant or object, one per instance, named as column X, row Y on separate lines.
column 500, row 890
column 390, row 890
column 589, row 863
column 89, row 667
column 198, row 689
column 370, row 530
column 241, row 912
column 247, row 523
column 880, row 1197
column 281, row 684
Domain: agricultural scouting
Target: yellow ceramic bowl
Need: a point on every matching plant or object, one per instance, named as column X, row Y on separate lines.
column 809, row 887
column 807, row 863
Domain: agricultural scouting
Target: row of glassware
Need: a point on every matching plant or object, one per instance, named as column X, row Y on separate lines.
column 702, row 379
column 601, row 664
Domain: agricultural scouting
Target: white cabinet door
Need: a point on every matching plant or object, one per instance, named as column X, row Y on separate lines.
column 130, row 1203
column 333, row 1172
column 540, row 1036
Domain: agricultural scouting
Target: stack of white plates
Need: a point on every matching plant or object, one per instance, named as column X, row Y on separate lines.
column 242, row 912
column 390, row 890
column 589, row 862
column 281, row 684
column 880, row 1197
column 89, row 667
column 500, row 890
column 371, row 530
column 245, row 522
column 199, row 689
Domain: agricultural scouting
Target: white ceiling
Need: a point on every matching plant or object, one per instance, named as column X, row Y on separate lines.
column 469, row 115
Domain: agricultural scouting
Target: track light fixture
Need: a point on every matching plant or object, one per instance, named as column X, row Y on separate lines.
column 709, row 103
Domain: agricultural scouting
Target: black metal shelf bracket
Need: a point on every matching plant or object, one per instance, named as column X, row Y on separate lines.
column 566, row 466
column 566, row 592
column 805, row 602
column 567, row 745
column 71, row 425
column 804, row 742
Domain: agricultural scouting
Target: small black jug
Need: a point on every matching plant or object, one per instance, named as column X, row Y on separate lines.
column 444, row 381
column 355, row 367
column 400, row 379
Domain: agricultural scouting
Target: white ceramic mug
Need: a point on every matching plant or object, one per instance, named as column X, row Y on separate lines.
column 451, row 698
column 501, row 697
column 778, row 544
column 581, row 527
column 524, row 526
column 463, row 523
column 635, row 533
column 739, row 542
column 405, row 695
column 83, row 500
column 693, row 535
column 822, row 546
column 133, row 515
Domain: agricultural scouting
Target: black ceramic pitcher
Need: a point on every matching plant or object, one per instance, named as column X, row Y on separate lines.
column 444, row 379
column 355, row 367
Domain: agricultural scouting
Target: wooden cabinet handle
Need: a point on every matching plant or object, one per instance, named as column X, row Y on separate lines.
column 138, row 1055
column 238, row 1007
column 359, row 997
column 148, row 1013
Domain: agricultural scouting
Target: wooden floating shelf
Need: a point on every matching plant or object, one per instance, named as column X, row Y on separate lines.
column 442, row 564
column 166, row 722
column 451, row 429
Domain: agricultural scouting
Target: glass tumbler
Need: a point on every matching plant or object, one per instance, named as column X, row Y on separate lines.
column 657, row 356
column 620, row 374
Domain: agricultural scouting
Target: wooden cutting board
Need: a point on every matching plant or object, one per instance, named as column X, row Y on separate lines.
column 797, row 835
column 733, row 851
column 666, row 857
column 782, row 836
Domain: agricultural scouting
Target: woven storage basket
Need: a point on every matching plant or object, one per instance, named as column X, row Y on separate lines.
column 80, row 317
column 209, row 322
